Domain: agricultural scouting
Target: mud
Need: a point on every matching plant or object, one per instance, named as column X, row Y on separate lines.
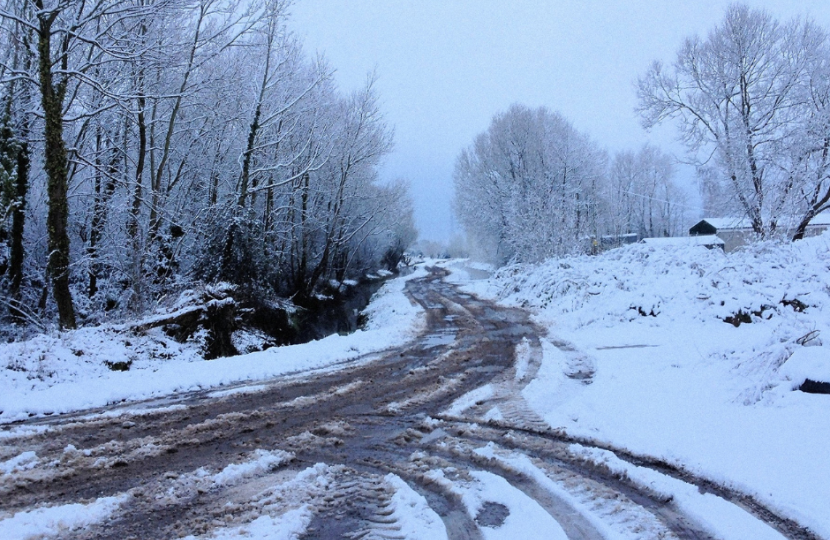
column 370, row 418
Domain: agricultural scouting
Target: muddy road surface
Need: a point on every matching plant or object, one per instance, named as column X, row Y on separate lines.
column 428, row 438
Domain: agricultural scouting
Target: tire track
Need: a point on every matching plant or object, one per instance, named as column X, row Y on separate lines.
column 346, row 430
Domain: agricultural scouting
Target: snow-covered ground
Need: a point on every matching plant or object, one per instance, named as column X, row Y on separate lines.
column 70, row 371
column 54, row 520
column 484, row 494
column 668, row 378
column 638, row 357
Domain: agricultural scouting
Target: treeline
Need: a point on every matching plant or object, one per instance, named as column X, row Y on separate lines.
column 751, row 102
column 533, row 187
column 146, row 145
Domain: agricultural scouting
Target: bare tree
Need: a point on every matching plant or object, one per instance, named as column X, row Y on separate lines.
column 737, row 96
column 809, row 152
column 148, row 176
column 643, row 197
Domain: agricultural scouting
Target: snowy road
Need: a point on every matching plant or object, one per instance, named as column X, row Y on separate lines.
column 432, row 440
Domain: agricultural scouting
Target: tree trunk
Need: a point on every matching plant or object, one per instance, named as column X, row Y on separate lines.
column 155, row 210
column 21, row 189
column 19, row 215
column 57, row 173
column 104, row 189
column 246, row 156
column 133, row 221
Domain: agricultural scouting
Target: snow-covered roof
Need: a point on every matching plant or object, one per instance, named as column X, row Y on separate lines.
column 706, row 240
column 729, row 223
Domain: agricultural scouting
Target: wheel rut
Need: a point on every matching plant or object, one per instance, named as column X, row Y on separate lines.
column 333, row 451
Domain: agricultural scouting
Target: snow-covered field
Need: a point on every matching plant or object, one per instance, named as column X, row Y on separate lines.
column 670, row 379
column 70, row 371
column 638, row 358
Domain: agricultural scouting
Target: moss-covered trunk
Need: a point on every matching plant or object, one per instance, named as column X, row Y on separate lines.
column 55, row 163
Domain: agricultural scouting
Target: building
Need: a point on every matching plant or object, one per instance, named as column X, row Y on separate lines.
column 736, row 232
column 610, row 241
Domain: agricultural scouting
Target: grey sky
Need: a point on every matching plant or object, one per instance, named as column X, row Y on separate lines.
column 446, row 67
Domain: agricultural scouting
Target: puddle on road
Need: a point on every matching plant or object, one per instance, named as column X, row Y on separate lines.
column 438, row 339
column 492, row 514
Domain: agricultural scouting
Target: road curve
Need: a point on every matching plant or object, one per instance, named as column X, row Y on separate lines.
column 322, row 448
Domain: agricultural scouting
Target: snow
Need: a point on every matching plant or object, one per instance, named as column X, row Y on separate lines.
column 738, row 223
column 69, row 371
column 729, row 223
column 26, row 460
column 807, row 363
column 522, row 359
column 704, row 240
column 609, row 517
column 719, row 517
column 262, row 462
column 19, row 432
column 289, row 526
column 470, row 399
column 551, row 387
column 287, row 508
column 56, row 520
column 284, row 509
column 669, row 379
column 526, row 518
column 412, row 512
column 248, row 389
column 465, row 270
column 638, row 357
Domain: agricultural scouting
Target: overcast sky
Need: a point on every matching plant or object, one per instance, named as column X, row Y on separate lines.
column 446, row 67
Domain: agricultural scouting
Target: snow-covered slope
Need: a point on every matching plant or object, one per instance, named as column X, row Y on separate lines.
column 673, row 380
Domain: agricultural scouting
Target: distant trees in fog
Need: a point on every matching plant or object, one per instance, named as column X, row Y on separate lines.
column 642, row 196
column 532, row 186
